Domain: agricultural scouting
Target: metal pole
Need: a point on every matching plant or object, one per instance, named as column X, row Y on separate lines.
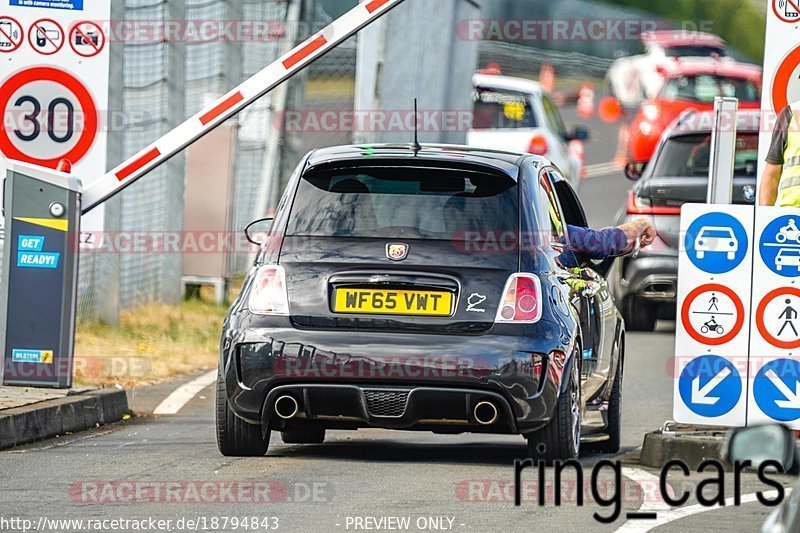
column 723, row 151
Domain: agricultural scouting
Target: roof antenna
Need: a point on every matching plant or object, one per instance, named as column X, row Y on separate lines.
column 417, row 146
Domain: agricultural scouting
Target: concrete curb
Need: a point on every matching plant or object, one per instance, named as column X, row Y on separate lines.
column 691, row 448
column 69, row 414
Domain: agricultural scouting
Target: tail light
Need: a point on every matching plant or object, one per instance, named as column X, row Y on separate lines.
column 522, row 300
column 268, row 294
column 636, row 206
column 538, row 145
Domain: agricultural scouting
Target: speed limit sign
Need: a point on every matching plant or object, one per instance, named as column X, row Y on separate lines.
column 49, row 115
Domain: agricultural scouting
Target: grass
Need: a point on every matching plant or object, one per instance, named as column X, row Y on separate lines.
column 151, row 343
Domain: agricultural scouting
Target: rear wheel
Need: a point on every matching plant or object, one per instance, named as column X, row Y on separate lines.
column 235, row 437
column 303, row 436
column 639, row 315
column 560, row 439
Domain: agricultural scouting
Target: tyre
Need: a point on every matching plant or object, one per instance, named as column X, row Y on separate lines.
column 639, row 315
column 560, row 439
column 614, row 428
column 701, row 255
column 235, row 437
column 781, row 238
column 303, row 436
column 704, row 330
column 731, row 256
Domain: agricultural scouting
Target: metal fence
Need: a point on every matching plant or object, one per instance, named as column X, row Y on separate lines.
column 163, row 82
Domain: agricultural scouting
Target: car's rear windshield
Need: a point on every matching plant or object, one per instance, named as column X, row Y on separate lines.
column 689, row 155
column 403, row 202
column 703, row 88
column 695, row 51
column 502, row 110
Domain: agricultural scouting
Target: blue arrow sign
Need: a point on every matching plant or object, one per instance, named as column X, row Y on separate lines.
column 716, row 243
column 776, row 389
column 710, row 386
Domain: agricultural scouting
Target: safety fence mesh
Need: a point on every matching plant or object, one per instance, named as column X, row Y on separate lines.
column 165, row 81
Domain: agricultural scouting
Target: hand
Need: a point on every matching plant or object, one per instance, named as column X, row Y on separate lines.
column 641, row 229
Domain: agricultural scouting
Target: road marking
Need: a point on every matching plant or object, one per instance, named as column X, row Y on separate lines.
column 184, row 394
column 602, row 169
column 667, row 514
column 652, row 502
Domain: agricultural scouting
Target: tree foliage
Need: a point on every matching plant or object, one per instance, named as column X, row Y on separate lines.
column 742, row 23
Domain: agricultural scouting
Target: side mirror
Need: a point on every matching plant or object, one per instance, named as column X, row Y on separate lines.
column 635, row 169
column 579, row 134
column 256, row 230
column 758, row 444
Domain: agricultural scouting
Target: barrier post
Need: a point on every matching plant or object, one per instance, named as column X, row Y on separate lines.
column 723, row 151
column 39, row 276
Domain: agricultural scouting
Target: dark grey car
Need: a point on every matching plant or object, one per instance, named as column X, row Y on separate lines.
column 646, row 287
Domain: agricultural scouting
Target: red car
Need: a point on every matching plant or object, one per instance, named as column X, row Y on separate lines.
column 691, row 85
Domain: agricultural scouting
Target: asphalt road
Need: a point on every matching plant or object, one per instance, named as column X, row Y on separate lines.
column 168, row 468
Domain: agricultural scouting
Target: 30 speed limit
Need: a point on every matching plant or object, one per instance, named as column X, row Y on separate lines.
column 49, row 115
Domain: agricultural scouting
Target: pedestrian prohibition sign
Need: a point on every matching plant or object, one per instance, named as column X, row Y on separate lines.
column 712, row 314
column 49, row 115
column 778, row 318
column 710, row 386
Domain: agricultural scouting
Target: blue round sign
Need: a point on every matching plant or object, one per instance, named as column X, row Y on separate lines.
column 776, row 389
column 780, row 246
column 716, row 243
column 710, row 386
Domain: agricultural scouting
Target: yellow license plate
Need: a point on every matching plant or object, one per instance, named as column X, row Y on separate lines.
column 383, row 302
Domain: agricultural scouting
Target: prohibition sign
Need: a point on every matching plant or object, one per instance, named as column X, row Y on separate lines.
column 784, row 76
column 82, row 39
column 8, row 28
column 789, row 6
column 73, row 91
column 48, row 33
column 762, row 326
column 699, row 337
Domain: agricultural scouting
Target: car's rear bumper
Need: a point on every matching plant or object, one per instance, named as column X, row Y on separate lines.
column 650, row 277
column 329, row 373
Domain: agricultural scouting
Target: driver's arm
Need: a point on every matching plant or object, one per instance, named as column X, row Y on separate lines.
column 609, row 242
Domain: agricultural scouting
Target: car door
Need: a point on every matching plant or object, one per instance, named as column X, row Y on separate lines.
column 597, row 309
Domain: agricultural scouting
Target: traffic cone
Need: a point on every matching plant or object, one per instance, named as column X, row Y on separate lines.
column 586, row 101
column 547, row 78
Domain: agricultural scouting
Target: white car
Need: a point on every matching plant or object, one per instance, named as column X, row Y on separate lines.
column 634, row 79
column 716, row 240
column 517, row 115
column 787, row 257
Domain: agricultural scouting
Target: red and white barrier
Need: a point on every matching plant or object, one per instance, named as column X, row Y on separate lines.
column 234, row 101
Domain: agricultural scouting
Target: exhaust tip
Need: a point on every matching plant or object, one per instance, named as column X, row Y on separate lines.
column 485, row 413
column 286, row 407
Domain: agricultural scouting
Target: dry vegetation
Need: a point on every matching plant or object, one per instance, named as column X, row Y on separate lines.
column 152, row 343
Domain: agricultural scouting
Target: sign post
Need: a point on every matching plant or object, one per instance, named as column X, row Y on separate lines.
column 723, row 151
column 711, row 336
